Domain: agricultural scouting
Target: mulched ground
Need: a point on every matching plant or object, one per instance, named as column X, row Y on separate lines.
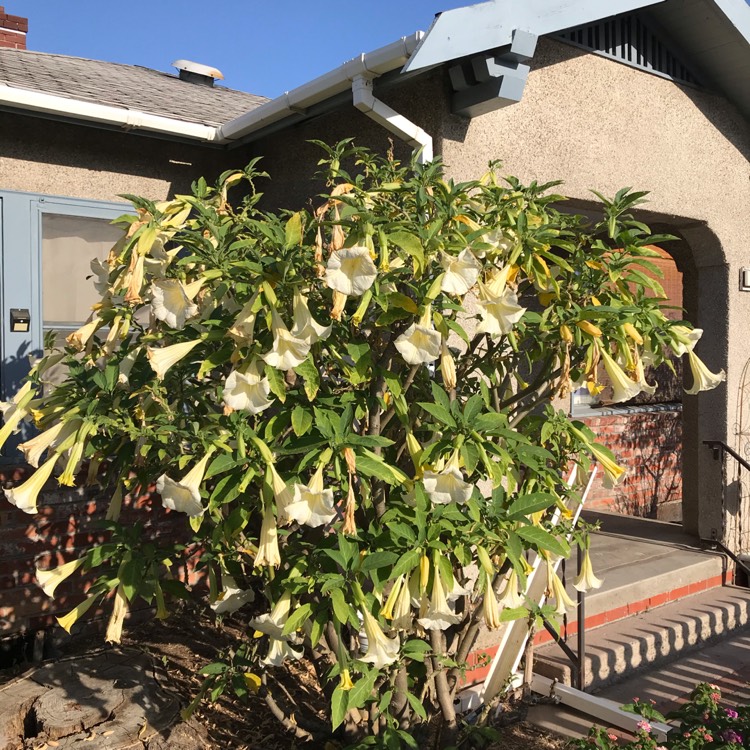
column 186, row 642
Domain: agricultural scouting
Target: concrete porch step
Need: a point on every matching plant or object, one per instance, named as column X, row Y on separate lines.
column 659, row 635
column 644, row 564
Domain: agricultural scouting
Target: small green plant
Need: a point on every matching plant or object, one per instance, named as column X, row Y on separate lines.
column 701, row 723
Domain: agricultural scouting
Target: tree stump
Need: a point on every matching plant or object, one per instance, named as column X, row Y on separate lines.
column 112, row 700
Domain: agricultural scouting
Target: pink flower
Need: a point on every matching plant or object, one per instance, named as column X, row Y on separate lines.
column 644, row 726
column 612, row 737
column 715, row 697
column 731, row 713
column 708, row 737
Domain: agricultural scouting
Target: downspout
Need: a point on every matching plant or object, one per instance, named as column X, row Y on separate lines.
column 380, row 112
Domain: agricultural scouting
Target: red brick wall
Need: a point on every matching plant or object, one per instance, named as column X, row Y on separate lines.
column 63, row 530
column 649, row 445
column 13, row 30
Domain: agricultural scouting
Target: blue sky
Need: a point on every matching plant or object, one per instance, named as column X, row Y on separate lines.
column 261, row 46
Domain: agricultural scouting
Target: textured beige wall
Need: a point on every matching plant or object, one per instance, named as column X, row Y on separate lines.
column 44, row 156
column 599, row 124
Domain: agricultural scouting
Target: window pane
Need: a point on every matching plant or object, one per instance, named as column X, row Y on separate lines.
column 68, row 245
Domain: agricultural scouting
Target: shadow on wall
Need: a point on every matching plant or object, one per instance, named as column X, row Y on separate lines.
column 651, row 451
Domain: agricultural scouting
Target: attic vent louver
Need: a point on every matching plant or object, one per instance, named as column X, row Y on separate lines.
column 194, row 72
column 629, row 39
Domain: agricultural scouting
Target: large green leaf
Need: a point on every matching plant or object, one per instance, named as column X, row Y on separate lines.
column 532, row 503
column 543, row 540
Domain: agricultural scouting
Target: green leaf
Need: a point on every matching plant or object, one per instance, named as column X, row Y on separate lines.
column 439, row 412
column 473, row 408
column 362, row 690
column 456, row 328
column 216, row 668
column 490, row 422
column 222, row 462
column 339, row 706
column 276, row 382
column 440, row 396
column 416, row 649
column 412, row 245
column 309, row 372
column 513, row 614
column 301, row 421
column 372, row 465
column 396, row 299
column 297, row 619
column 215, row 360
column 543, row 540
column 379, row 560
column 407, row 562
column 293, row 231
column 527, row 504
column 340, row 607
column 417, row 706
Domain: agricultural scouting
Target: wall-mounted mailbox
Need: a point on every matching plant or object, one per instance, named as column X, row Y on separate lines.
column 20, row 320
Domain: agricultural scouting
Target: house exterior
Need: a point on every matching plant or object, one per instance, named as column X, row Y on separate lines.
column 631, row 92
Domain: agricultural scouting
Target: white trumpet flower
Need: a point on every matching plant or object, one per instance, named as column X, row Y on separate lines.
column 557, row 591
column 272, row 625
column 351, row 271
column 116, row 620
column 447, row 365
column 50, row 579
column 288, row 351
column 24, row 496
column 34, row 448
column 461, row 272
column 304, row 326
column 623, row 388
column 439, row 615
column 243, row 329
column 184, row 495
column 247, row 391
column 612, row 471
column 282, row 495
column 232, row 597
column 510, row 596
column 100, row 269
column 15, row 410
column 703, row 378
column 78, row 339
column 448, row 485
column 268, row 545
column 420, row 343
column 586, row 580
column 382, row 651
column 684, row 339
column 163, row 358
column 312, row 505
column 171, row 304
column 490, row 607
column 500, row 310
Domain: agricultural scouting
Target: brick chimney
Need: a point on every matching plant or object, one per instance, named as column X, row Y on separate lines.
column 13, row 30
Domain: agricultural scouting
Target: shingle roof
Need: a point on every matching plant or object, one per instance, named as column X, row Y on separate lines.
column 126, row 86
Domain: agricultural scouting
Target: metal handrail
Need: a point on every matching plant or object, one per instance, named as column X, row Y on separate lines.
column 719, row 447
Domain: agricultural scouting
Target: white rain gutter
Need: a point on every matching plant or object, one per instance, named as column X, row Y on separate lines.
column 391, row 120
column 369, row 65
column 127, row 119
column 356, row 74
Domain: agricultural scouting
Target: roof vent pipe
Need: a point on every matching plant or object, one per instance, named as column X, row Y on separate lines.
column 193, row 72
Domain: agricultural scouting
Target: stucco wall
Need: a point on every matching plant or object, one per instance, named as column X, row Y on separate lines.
column 599, row 124
column 38, row 155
